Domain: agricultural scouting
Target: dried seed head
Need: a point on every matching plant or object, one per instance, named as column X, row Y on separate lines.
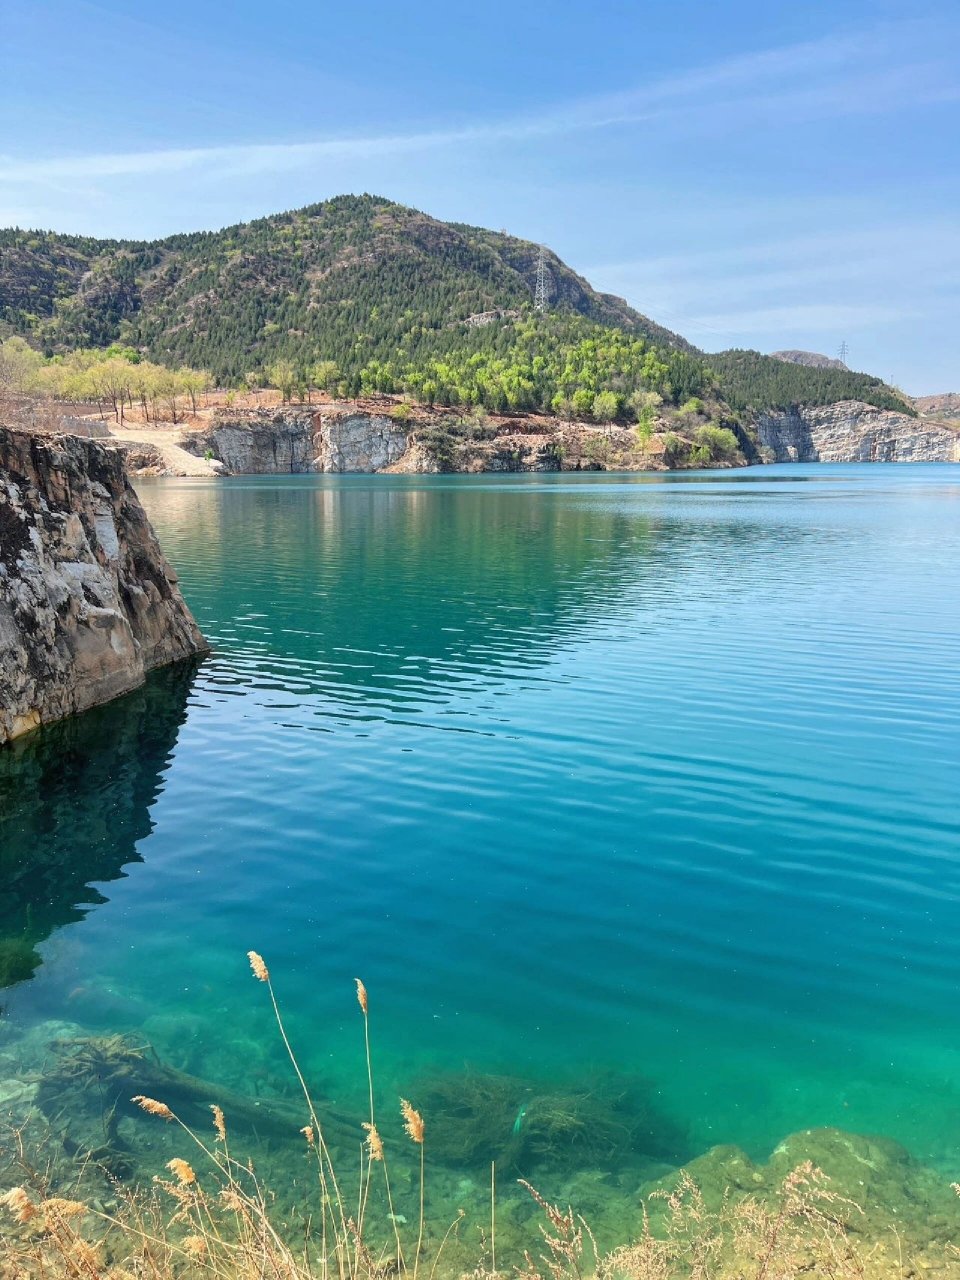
column 181, row 1171
column 19, row 1204
column 219, row 1123
column 260, row 970
column 412, row 1120
column 184, row 1196
column 63, row 1208
column 196, row 1246
column 85, row 1255
column 361, row 995
column 374, row 1143
column 308, row 1133
column 152, row 1107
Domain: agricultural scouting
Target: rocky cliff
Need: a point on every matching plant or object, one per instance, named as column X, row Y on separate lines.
column 364, row 436
column 255, row 442
column 852, row 431
column 88, row 604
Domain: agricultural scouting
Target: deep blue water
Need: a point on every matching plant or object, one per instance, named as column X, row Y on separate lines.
column 651, row 774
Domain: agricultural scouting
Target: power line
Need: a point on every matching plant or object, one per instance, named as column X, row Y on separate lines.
column 843, row 351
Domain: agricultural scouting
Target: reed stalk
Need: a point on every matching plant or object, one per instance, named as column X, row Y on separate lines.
column 262, row 974
column 375, row 1146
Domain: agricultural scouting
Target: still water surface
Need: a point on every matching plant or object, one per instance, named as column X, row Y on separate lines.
column 651, row 774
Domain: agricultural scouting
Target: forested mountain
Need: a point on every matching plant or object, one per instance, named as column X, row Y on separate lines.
column 752, row 381
column 391, row 297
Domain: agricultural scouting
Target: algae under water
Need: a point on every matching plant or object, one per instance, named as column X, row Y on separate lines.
column 589, row 778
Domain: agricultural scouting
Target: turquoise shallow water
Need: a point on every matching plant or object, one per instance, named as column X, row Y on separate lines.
column 642, row 774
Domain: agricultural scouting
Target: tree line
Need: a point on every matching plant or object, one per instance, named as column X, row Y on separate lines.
column 114, row 378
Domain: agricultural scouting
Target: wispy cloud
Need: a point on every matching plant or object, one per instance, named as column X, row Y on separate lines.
column 789, row 290
column 863, row 72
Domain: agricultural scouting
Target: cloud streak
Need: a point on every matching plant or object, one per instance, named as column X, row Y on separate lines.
column 829, row 71
column 821, row 284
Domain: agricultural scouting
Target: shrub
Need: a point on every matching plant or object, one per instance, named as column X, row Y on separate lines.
column 693, row 405
column 719, row 443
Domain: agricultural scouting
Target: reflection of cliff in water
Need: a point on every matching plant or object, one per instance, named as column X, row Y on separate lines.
column 398, row 587
column 75, row 799
column 399, row 591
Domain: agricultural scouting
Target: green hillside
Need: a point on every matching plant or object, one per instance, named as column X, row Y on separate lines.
column 395, row 299
column 753, row 382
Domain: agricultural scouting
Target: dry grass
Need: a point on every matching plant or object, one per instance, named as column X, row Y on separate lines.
column 210, row 1217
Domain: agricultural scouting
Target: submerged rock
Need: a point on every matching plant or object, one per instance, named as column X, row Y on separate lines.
column 88, row 604
column 886, row 1198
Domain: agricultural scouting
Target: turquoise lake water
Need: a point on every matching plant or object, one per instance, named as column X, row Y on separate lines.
column 581, row 774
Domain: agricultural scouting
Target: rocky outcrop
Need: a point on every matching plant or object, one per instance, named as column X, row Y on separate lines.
column 945, row 407
column 810, row 359
column 275, row 441
column 257, row 442
column 361, row 437
column 361, row 442
column 852, row 431
column 88, row 604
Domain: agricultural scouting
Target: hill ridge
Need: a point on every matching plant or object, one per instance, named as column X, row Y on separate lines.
column 384, row 292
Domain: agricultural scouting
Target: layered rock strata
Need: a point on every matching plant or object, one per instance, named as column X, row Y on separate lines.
column 88, row 603
column 852, row 431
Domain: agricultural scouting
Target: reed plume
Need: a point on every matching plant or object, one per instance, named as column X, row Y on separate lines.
column 181, row 1171
column 19, row 1204
column 196, row 1246
column 374, row 1143
column 152, row 1107
column 260, row 970
column 362, row 996
column 63, row 1208
column 413, row 1123
column 219, row 1122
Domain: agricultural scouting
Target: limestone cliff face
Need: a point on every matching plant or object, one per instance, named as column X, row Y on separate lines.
column 357, row 442
column 852, row 431
column 88, row 604
column 251, row 441
column 257, row 442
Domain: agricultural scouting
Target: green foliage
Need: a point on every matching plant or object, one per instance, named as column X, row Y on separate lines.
column 360, row 295
column 751, row 381
column 282, row 374
column 19, row 366
column 606, row 406
column 719, row 444
column 325, row 374
column 676, row 450
column 115, row 376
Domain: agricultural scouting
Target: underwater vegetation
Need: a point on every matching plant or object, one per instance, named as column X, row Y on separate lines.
column 18, row 961
column 526, row 1125
column 74, row 1202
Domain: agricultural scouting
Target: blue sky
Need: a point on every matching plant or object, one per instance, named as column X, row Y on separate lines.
column 749, row 174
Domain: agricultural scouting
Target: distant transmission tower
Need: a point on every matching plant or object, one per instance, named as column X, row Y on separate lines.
column 843, row 350
column 540, row 293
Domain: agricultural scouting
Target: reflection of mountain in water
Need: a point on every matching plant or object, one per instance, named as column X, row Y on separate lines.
column 402, row 587
column 390, row 595
column 74, row 800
